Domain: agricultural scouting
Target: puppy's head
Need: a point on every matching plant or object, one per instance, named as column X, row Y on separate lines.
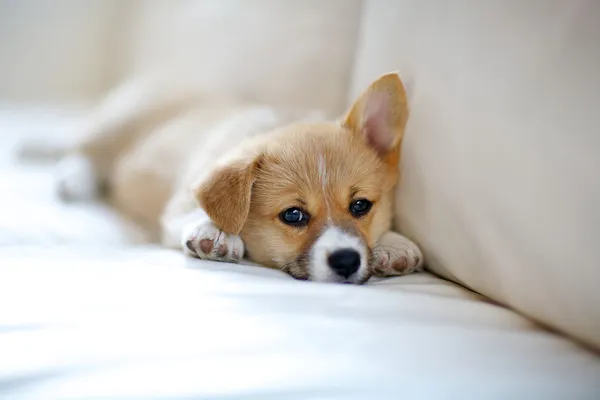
column 312, row 199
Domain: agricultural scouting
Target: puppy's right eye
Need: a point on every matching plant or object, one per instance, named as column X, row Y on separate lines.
column 294, row 217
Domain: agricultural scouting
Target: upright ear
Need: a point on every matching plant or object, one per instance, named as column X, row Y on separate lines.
column 225, row 194
column 380, row 113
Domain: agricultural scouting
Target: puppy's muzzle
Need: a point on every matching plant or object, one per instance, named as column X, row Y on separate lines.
column 338, row 256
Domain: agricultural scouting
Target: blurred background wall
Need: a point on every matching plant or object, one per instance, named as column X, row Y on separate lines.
column 73, row 51
column 56, row 51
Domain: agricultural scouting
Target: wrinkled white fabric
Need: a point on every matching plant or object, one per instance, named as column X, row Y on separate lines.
column 81, row 322
column 83, row 314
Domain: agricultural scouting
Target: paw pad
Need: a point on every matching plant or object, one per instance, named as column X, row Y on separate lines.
column 204, row 240
column 206, row 245
column 395, row 259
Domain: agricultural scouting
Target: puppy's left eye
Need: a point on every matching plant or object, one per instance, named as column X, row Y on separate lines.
column 294, row 216
column 360, row 207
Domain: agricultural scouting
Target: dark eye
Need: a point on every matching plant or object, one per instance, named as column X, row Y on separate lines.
column 360, row 207
column 294, row 216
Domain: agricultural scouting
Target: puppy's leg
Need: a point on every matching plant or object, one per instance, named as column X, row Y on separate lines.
column 126, row 115
column 203, row 239
column 76, row 178
column 395, row 255
column 187, row 227
column 197, row 236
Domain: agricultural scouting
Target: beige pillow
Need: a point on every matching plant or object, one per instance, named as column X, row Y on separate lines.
column 502, row 152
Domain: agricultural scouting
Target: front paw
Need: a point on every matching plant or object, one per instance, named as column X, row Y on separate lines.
column 204, row 240
column 396, row 255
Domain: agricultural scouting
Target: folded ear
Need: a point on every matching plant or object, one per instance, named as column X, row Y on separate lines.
column 225, row 194
column 379, row 114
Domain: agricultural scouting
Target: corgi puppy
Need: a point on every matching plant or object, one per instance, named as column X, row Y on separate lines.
column 223, row 181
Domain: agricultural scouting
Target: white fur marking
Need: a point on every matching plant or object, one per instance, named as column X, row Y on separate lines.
column 174, row 227
column 397, row 255
column 322, row 168
column 332, row 239
column 195, row 233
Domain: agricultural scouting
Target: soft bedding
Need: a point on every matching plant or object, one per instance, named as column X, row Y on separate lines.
column 86, row 314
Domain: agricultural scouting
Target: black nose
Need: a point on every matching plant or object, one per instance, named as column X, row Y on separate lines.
column 344, row 262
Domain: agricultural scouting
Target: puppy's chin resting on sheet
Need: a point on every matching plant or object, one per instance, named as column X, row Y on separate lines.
column 224, row 180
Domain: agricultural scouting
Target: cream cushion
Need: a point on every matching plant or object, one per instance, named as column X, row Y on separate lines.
column 501, row 155
column 278, row 52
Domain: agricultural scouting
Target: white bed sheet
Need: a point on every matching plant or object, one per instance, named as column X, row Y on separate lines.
column 84, row 314
column 101, row 322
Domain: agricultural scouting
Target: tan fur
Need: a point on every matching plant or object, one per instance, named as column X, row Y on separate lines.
column 243, row 165
column 289, row 177
column 284, row 174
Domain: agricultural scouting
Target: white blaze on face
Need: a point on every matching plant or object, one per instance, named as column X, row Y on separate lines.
column 332, row 239
column 322, row 168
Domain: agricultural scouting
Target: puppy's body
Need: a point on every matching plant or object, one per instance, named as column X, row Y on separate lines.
column 218, row 179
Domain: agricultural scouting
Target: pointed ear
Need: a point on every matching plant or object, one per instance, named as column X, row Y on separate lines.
column 225, row 194
column 379, row 114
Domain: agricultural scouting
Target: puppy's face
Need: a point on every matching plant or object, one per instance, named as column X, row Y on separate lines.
column 321, row 197
column 312, row 199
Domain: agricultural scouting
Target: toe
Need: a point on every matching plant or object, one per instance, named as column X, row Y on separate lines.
column 400, row 264
column 416, row 260
column 222, row 250
column 206, row 245
column 190, row 245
